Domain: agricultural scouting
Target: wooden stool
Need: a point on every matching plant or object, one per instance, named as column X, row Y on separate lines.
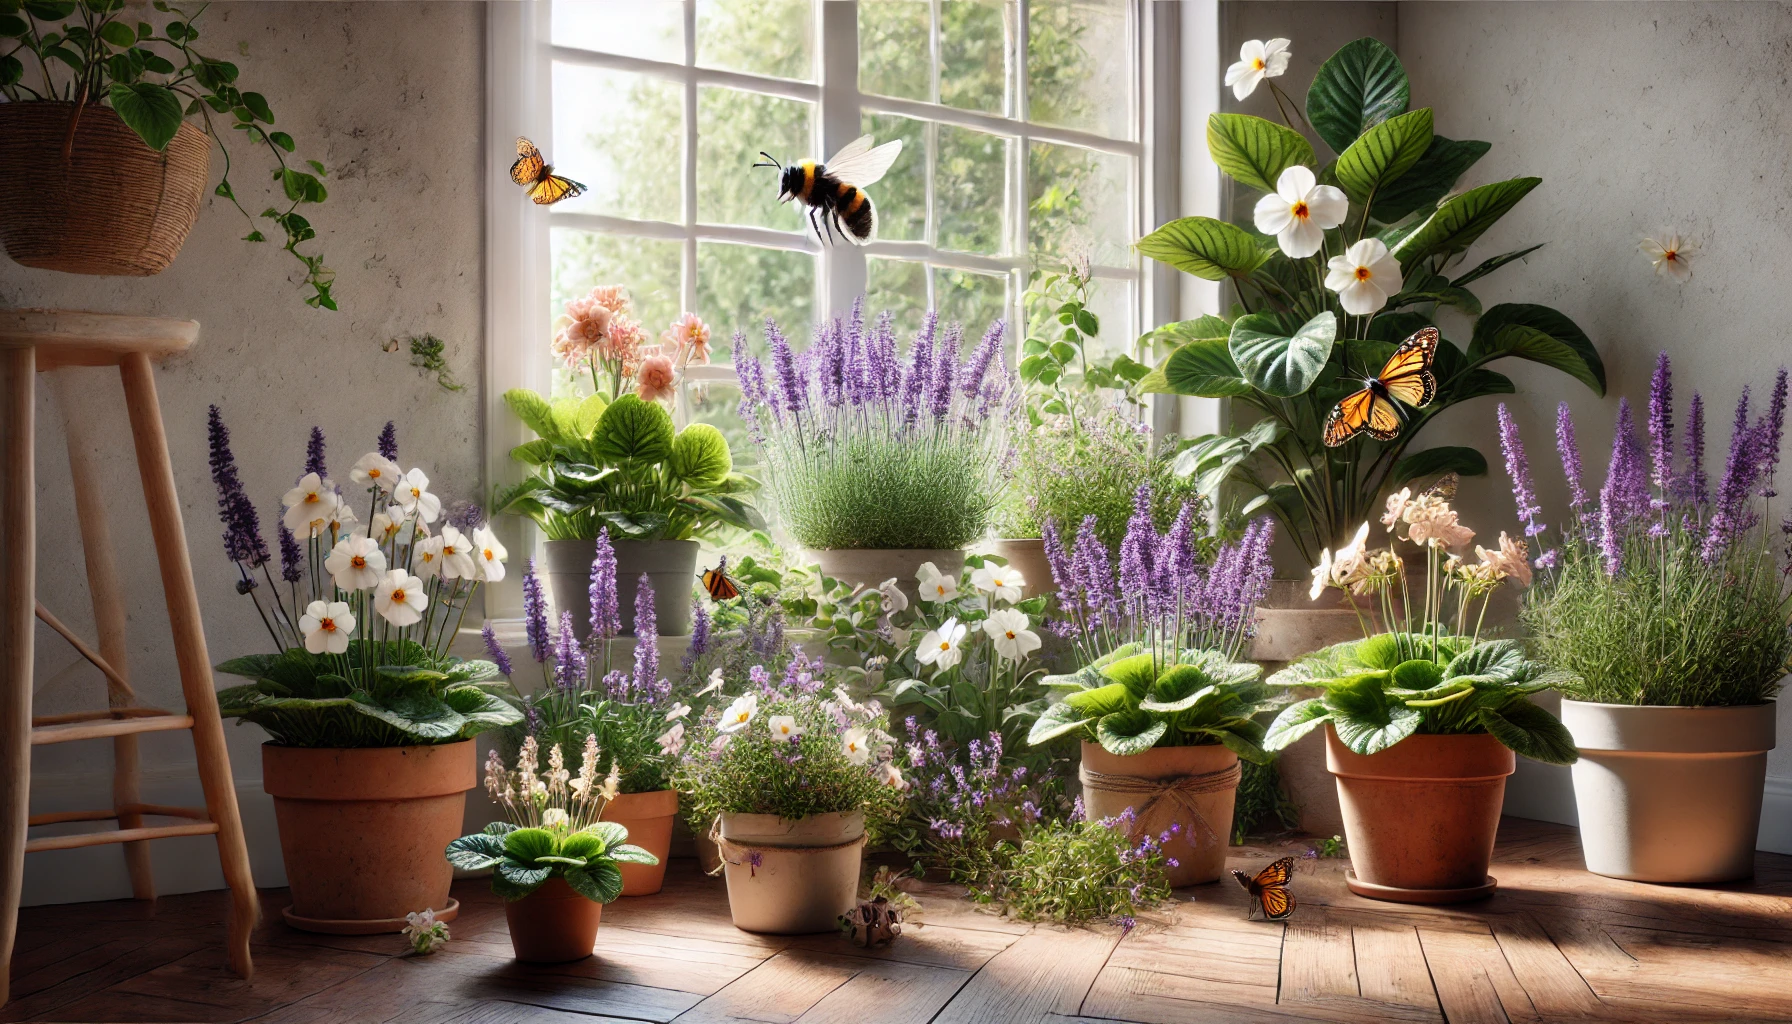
column 34, row 340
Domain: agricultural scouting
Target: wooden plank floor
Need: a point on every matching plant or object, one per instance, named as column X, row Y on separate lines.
column 1556, row 943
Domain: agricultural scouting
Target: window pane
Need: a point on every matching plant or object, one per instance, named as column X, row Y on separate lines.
column 732, row 127
column 1078, row 66
column 901, row 197
column 648, row 267
column 610, row 132
column 899, row 286
column 974, row 44
column 970, row 187
column 895, row 56
column 653, row 29
column 1111, row 302
column 738, row 286
column 1079, row 201
column 718, row 405
column 970, row 298
column 760, row 37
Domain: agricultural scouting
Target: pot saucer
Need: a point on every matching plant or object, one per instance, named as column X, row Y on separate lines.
column 1395, row 894
column 371, row 926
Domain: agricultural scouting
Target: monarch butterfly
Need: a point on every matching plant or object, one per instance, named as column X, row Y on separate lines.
column 1407, row 377
column 718, row 583
column 1271, row 889
column 538, row 177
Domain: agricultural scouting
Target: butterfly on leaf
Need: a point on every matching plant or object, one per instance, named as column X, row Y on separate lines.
column 1270, row 887
column 720, row 586
column 537, row 176
column 1406, row 378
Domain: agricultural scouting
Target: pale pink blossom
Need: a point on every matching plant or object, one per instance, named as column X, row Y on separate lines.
column 653, row 381
column 688, row 339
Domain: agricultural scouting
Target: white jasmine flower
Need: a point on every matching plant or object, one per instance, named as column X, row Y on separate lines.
column 1300, row 212
column 1008, row 628
column 935, row 587
column 327, row 625
column 340, row 518
column 1672, row 257
column 414, row 497
column 1365, row 277
column 672, row 740
column 355, row 563
column 310, row 505
column 854, row 743
column 375, row 470
column 426, row 557
column 1257, row 60
column 894, row 600
column 400, row 598
column 1001, row 582
column 942, row 647
column 457, row 554
column 892, row 776
column 784, row 727
column 738, row 714
column 488, row 554
column 678, row 711
column 383, row 528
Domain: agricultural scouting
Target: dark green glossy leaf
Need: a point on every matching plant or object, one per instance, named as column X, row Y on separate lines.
column 1459, row 221
column 1295, row 721
column 1360, row 86
column 1542, row 335
column 1429, row 180
column 1125, row 733
column 1201, row 368
column 152, row 111
column 1529, row 730
column 1436, row 461
column 1255, row 151
column 1277, row 364
column 1207, row 248
column 476, row 852
column 1384, row 153
column 1494, row 263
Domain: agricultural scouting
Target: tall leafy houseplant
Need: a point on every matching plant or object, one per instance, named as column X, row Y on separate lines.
column 1367, row 249
column 97, row 52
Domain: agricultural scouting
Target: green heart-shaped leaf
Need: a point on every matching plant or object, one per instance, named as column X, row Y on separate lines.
column 1384, row 153
column 1277, row 364
column 1542, row 335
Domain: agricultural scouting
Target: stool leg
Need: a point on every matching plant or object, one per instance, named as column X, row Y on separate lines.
column 109, row 621
column 18, row 604
column 189, row 645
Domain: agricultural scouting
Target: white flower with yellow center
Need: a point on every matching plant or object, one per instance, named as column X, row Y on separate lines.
column 456, row 549
column 400, row 598
column 1672, row 257
column 1364, row 277
column 1257, row 60
column 310, row 506
column 738, row 714
column 1007, row 627
column 1000, row 582
column 1300, row 212
column 375, row 470
column 935, row 586
column 326, row 625
column 784, row 727
column 488, row 554
column 943, row 647
column 855, row 744
column 355, row 563
column 413, row 496
column 426, row 557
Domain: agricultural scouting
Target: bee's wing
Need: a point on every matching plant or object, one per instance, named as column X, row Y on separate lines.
column 864, row 167
column 850, row 150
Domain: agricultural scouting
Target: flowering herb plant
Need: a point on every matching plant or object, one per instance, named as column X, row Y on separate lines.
column 1159, row 639
column 867, row 449
column 1366, row 252
column 964, row 798
column 1058, row 371
column 331, row 682
column 612, row 459
column 1662, row 591
column 552, row 828
column 1079, row 870
column 1430, row 676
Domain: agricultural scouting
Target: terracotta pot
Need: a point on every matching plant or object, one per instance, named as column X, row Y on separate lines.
column 553, row 924
column 648, row 818
column 1202, row 807
column 1420, row 817
column 869, row 567
column 792, row 876
column 1290, row 625
column 1670, row 794
column 670, row 564
column 362, row 831
column 1028, row 556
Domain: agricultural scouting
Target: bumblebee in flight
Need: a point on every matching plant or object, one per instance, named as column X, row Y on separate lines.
column 833, row 193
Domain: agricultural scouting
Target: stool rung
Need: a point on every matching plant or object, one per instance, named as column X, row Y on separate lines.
column 100, row 730
column 123, row 835
column 95, row 716
column 110, row 814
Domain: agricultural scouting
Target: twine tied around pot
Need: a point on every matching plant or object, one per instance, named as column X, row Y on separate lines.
column 754, row 853
column 1164, row 794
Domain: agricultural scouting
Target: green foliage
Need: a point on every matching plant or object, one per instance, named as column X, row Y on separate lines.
column 522, row 859
column 389, row 694
column 428, row 355
column 1209, row 249
column 1132, row 704
column 1073, row 872
column 1279, row 365
column 1261, row 801
column 155, row 79
column 1360, row 86
column 1255, row 151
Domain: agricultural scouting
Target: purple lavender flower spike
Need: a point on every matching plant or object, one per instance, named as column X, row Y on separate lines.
column 1661, row 428
column 494, row 650
column 535, row 614
column 1571, row 465
column 1695, row 484
column 1138, row 551
column 1096, row 574
column 790, row 385
column 388, row 442
column 1518, row 468
column 243, row 542
column 569, row 657
column 1059, row 561
column 1729, row 516
column 647, row 637
column 606, row 616
column 1774, row 432
column 292, row 557
column 1626, row 491
column 945, row 368
column 314, row 454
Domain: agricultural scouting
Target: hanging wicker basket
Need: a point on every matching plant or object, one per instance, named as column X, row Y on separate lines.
column 111, row 206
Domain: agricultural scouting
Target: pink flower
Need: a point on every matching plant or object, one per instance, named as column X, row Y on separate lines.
column 623, row 343
column 688, row 339
column 654, row 380
column 587, row 326
column 612, row 297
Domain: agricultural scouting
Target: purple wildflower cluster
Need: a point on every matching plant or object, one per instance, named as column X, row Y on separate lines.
column 494, row 650
column 535, row 614
column 1145, row 845
column 388, row 441
column 576, row 663
column 966, row 796
column 243, row 542
column 606, row 613
column 314, row 454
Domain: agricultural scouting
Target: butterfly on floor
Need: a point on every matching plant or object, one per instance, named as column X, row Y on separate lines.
column 1406, row 378
column 537, row 176
column 720, row 585
column 1270, row 887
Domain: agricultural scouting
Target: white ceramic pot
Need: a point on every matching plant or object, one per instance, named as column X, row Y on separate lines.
column 869, row 567
column 792, row 876
column 671, row 565
column 1670, row 794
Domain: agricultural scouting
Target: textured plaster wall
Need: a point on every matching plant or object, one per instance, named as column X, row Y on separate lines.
column 390, row 97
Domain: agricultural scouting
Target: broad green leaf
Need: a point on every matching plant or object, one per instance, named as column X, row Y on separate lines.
column 1383, row 153
column 700, row 456
column 1497, row 661
column 1459, row 221
column 1279, row 365
column 589, row 412
column 538, row 452
column 511, row 891
column 1494, row 263
column 1436, row 461
column 1201, row 368
column 584, row 845
column 1135, row 672
column 118, row 33
column 1429, row 180
column 1209, row 249
column 253, row 666
column 528, row 844
column 1202, row 328
column 1542, row 335
column 1367, row 720
column 1053, row 723
column 417, row 714
column 1125, row 733
column 610, row 833
column 1255, row 151
column 1416, row 674
column 634, row 431
column 476, row 852
column 535, row 413
column 1295, row 721
column 1394, row 328
column 1103, row 700
column 522, row 875
column 1244, row 746
column 1527, row 729
column 1170, row 705
column 600, row 882
column 1360, row 86
column 625, row 853
column 152, row 111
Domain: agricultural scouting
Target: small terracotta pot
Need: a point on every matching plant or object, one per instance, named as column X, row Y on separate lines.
column 1670, row 794
column 792, row 876
column 1421, row 816
column 362, row 831
column 553, row 924
column 648, row 818
column 869, row 567
column 1027, row 555
column 1199, row 850
column 671, row 565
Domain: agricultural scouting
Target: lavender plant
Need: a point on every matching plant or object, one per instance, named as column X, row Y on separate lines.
column 865, row 449
column 1664, row 591
column 964, row 799
column 1078, row 870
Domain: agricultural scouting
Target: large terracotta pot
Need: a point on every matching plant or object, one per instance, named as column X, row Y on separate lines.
column 1193, row 788
column 1421, row 816
column 1028, row 556
column 869, row 567
column 670, row 564
column 792, row 876
column 648, row 818
column 362, row 831
column 553, row 924
column 1669, row 794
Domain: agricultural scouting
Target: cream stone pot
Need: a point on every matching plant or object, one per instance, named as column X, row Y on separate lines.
column 1670, row 794
column 869, row 567
column 1193, row 788
column 791, row 876
column 671, row 565
column 1028, row 556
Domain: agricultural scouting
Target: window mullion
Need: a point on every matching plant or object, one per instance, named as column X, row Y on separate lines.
column 688, row 278
column 843, row 274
